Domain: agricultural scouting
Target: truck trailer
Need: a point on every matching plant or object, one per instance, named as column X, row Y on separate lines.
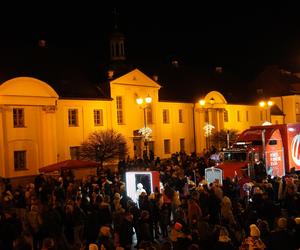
column 277, row 146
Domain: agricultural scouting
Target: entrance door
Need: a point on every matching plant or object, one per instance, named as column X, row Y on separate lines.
column 137, row 147
column 151, row 149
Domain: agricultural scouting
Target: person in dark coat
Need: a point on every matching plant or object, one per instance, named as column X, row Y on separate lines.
column 297, row 232
column 10, row 229
column 281, row 237
column 105, row 239
column 260, row 171
column 126, row 231
column 145, row 227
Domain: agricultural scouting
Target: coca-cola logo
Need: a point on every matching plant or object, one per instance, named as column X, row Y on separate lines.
column 295, row 149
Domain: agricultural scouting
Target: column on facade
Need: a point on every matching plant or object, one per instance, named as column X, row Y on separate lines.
column 3, row 144
column 200, row 139
column 221, row 119
column 48, row 135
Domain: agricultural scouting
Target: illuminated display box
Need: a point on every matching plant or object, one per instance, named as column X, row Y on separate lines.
column 149, row 180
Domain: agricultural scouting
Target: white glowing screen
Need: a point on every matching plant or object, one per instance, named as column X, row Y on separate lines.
column 131, row 185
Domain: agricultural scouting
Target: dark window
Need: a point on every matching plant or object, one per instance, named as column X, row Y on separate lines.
column 235, row 156
column 225, row 115
column 273, row 142
column 18, row 118
column 180, row 116
column 120, row 118
column 167, row 146
column 73, row 117
column 181, row 143
column 166, row 118
column 75, row 153
column 20, row 160
column 149, row 115
column 98, row 117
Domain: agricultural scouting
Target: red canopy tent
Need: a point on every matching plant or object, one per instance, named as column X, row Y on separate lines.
column 68, row 164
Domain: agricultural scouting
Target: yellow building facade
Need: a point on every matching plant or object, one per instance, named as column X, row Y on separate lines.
column 38, row 127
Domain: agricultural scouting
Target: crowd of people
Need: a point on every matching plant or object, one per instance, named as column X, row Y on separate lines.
column 187, row 212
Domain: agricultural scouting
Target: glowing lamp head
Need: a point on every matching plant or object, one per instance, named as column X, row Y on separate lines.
column 148, row 99
column 202, row 102
column 270, row 103
column 262, row 104
column 139, row 101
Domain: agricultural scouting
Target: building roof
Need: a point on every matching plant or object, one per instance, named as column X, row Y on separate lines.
column 67, row 71
column 276, row 81
column 188, row 83
column 78, row 73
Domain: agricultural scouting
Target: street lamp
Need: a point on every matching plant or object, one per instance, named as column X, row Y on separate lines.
column 144, row 103
column 267, row 106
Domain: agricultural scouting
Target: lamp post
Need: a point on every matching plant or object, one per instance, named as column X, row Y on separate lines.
column 267, row 106
column 144, row 104
column 208, row 127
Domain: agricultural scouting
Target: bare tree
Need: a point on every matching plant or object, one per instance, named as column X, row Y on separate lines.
column 105, row 145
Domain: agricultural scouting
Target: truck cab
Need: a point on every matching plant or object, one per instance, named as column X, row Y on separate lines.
column 239, row 158
column 264, row 143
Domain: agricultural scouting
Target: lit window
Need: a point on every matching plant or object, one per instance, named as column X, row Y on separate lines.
column 73, row 117
column 120, row 119
column 75, row 153
column 226, row 115
column 98, row 117
column 20, row 160
column 180, row 116
column 167, row 146
column 18, row 118
column 166, row 118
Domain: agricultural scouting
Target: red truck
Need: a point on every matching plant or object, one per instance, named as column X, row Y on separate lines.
column 278, row 145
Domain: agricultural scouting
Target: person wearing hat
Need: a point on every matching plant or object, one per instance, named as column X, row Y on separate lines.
column 93, row 246
column 224, row 241
column 176, row 232
column 253, row 241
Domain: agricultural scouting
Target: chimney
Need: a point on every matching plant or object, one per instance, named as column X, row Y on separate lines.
column 155, row 77
column 175, row 63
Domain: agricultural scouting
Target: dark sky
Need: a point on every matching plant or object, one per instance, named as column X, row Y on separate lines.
column 246, row 36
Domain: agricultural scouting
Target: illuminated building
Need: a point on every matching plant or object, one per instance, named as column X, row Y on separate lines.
column 40, row 125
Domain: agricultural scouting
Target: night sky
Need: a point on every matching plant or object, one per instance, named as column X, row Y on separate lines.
column 243, row 37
